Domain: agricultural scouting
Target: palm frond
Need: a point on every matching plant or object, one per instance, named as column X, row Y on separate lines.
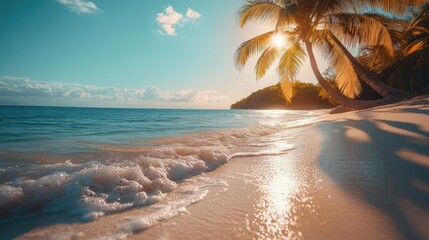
column 418, row 33
column 291, row 61
column 264, row 10
column 417, row 45
column 286, row 88
column 322, row 8
column 421, row 20
column 394, row 26
column 289, row 66
column 394, row 6
column 347, row 79
column 252, row 47
column 365, row 29
column 375, row 58
column 265, row 61
column 287, row 17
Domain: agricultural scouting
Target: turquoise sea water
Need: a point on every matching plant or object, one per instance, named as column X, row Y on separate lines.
column 45, row 128
column 88, row 162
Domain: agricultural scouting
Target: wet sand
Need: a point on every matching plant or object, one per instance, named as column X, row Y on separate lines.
column 358, row 175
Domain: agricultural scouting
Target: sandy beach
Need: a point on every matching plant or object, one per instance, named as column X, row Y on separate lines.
column 354, row 175
column 358, row 175
column 251, row 119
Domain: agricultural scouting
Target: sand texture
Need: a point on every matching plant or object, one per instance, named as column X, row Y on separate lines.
column 355, row 175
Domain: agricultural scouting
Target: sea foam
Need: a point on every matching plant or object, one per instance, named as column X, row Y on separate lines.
column 92, row 189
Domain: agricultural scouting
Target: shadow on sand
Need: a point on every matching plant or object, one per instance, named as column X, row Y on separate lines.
column 375, row 170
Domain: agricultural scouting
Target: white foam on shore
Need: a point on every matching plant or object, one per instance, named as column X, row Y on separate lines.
column 267, row 152
column 92, row 189
column 130, row 226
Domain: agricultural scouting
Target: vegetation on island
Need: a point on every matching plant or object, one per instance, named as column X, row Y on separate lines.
column 306, row 96
column 393, row 38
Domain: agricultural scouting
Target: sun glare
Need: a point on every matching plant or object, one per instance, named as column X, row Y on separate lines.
column 278, row 40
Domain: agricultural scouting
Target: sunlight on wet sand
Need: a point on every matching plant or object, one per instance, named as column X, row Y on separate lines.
column 266, row 198
column 274, row 214
column 342, row 181
column 348, row 178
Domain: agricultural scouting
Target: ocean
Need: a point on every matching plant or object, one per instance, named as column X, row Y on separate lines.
column 84, row 163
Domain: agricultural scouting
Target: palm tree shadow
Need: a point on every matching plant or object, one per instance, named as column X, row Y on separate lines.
column 374, row 171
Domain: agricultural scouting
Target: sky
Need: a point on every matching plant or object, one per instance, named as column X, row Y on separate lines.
column 127, row 53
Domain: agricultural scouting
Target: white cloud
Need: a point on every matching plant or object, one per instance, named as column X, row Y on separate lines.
column 25, row 87
column 170, row 19
column 192, row 14
column 81, row 6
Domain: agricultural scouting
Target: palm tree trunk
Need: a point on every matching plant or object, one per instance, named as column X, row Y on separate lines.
column 336, row 94
column 369, row 78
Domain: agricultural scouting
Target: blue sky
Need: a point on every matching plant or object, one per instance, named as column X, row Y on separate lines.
column 127, row 53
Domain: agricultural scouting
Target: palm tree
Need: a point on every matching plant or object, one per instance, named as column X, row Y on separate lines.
column 318, row 23
column 410, row 68
column 415, row 53
column 419, row 32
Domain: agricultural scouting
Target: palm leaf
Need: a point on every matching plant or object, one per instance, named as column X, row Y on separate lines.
column 364, row 29
column 417, row 45
column 321, row 8
column 375, row 58
column 264, row 10
column 394, row 6
column 252, row 47
column 418, row 33
column 347, row 79
column 265, row 61
column 288, row 16
column 286, row 88
column 291, row 61
column 289, row 66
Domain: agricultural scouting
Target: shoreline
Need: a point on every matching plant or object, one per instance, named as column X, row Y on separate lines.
column 352, row 173
column 351, row 182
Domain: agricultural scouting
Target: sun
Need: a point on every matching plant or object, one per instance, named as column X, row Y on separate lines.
column 278, row 40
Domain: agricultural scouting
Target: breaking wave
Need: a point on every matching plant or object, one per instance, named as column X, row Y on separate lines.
column 92, row 189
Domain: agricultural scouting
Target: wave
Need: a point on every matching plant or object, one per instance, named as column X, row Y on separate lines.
column 92, row 189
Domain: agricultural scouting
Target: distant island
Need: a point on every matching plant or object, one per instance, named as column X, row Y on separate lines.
column 306, row 97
